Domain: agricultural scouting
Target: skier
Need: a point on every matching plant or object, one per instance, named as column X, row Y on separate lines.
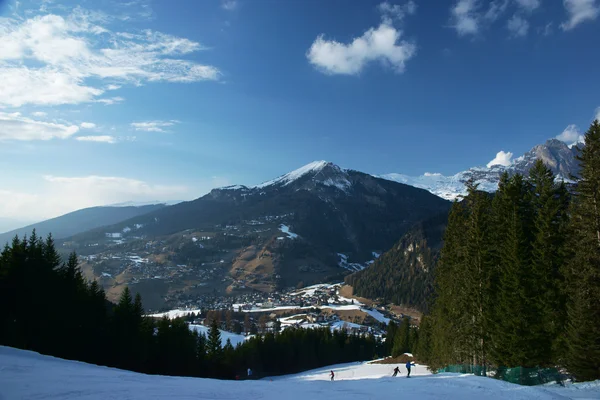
column 332, row 376
column 396, row 370
column 408, row 365
column 249, row 373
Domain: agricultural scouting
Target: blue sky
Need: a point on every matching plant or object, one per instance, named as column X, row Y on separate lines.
column 106, row 101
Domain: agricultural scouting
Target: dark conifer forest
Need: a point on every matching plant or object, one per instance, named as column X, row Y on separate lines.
column 47, row 306
column 518, row 279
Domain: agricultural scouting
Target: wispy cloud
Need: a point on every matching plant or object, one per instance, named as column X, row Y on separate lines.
column 517, row 26
column 229, row 5
column 579, row 11
column 390, row 12
column 52, row 59
column 98, row 139
column 495, row 10
column 153, row 126
column 529, row 5
column 570, row 135
column 546, row 30
column 87, row 125
column 381, row 44
column 110, row 101
column 464, row 17
column 502, row 158
column 14, row 126
column 39, row 114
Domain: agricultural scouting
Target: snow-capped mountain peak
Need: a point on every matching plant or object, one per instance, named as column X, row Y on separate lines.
column 323, row 172
column 557, row 155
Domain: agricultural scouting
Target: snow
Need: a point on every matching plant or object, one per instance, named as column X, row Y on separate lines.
column 233, row 187
column 145, row 203
column 343, row 263
column 114, row 235
column 377, row 315
column 290, row 177
column 286, row 229
column 29, row 375
column 176, row 313
column 233, row 337
column 126, row 229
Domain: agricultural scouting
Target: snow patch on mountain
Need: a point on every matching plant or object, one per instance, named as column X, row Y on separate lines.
column 286, row 229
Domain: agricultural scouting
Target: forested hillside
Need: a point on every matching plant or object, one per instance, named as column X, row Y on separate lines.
column 404, row 274
column 518, row 280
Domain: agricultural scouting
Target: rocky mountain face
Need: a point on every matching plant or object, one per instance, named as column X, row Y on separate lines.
column 311, row 224
column 557, row 155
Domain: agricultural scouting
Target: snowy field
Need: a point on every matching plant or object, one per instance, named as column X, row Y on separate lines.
column 28, row 375
column 233, row 337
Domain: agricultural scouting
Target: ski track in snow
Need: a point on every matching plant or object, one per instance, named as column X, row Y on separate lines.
column 28, row 375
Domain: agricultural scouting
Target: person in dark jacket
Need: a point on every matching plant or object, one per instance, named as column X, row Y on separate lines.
column 332, row 375
column 396, row 370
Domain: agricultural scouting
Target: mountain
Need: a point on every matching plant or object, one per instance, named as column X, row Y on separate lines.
column 404, row 274
column 312, row 224
column 80, row 221
column 556, row 154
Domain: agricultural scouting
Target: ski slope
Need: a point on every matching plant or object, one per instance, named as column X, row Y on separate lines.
column 28, row 375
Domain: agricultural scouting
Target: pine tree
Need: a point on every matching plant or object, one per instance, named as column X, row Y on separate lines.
column 513, row 307
column 550, row 219
column 583, row 269
column 213, row 344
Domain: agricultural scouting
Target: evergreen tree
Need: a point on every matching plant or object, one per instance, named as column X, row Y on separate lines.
column 550, row 218
column 583, row 269
column 213, row 344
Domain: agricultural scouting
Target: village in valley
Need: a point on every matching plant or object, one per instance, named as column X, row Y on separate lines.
column 317, row 306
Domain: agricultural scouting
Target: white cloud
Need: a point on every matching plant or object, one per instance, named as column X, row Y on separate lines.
column 570, row 135
column 597, row 114
column 377, row 44
column 517, row 26
column 579, row 11
column 53, row 60
column 55, row 196
column 529, row 5
column 229, row 5
column 87, row 125
column 13, row 126
column 153, row 126
column 465, row 18
column 98, row 139
column 39, row 114
column 502, row 158
column 381, row 44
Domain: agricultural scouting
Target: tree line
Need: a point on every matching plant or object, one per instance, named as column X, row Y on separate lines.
column 518, row 279
column 47, row 306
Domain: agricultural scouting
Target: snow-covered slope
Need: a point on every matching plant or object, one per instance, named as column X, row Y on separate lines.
column 28, row 375
column 557, row 155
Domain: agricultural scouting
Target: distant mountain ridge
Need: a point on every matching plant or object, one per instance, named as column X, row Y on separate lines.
column 80, row 221
column 557, row 155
